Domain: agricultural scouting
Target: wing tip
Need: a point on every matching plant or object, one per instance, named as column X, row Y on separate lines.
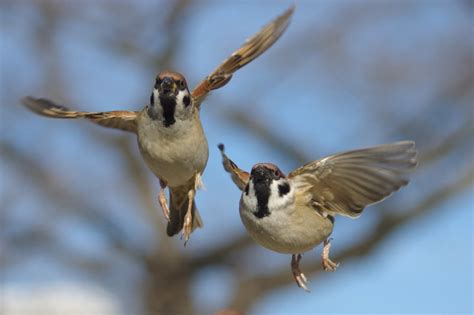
column 411, row 152
column 405, row 144
column 285, row 18
column 36, row 105
column 291, row 9
column 288, row 13
column 280, row 23
column 405, row 151
column 221, row 147
column 38, row 102
column 28, row 101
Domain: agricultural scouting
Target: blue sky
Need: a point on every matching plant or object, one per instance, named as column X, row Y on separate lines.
column 424, row 267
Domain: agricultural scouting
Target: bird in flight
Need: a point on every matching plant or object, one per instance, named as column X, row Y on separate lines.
column 169, row 131
column 293, row 214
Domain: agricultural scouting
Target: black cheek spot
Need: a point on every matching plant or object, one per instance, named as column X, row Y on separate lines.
column 247, row 190
column 152, row 112
column 331, row 218
column 152, row 99
column 283, row 189
column 186, row 101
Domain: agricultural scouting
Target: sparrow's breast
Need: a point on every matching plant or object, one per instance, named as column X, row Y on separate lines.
column 289, row 232
column 174, row 153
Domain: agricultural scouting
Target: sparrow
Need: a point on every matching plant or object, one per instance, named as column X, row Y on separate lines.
column 170, row 136
column 295, row 213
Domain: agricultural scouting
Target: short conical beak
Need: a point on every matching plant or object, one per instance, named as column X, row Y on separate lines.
column 260, row 175
column 168, row 86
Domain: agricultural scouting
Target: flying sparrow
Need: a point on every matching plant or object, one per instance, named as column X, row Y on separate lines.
column 169, row 132
column 293, row 214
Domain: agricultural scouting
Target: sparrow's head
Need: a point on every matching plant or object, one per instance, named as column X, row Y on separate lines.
column 269, row 189
column 170, row 99
column 265, row 173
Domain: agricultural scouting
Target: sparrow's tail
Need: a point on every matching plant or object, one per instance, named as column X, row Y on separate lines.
column 178, row 209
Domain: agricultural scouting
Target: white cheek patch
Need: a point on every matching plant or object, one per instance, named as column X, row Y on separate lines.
column 180, row 98
column 156, row 95
column 250, row 199
column 155, row 111
column 156, row 100
column 278, row 201
column 183, row 112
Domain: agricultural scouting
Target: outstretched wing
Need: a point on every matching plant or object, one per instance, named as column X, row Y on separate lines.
column 120, row 119
column 239, row 177
column 346, row 183
column 250, row 50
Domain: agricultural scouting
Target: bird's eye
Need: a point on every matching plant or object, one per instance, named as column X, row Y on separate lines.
column 277, row 173
column 181, row 85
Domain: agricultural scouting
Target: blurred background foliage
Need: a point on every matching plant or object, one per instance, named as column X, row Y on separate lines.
column 81, row 229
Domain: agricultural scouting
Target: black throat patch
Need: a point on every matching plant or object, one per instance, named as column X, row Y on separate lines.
column 168, row 103
column 262, row 192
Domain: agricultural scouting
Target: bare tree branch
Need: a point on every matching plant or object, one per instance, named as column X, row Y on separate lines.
column 51, row 185
column 39, row 239
column 268, row 137
column 150, row 37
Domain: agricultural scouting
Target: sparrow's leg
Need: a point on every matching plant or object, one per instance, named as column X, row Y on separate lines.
column 162, row 200
column 299, row 276
column 188, row 218
column 328, row 264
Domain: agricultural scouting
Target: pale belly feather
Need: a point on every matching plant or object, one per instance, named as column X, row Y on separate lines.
column 285, row 232
column 175, row 153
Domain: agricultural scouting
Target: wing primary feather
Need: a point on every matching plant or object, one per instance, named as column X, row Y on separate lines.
column 347, row 182
column 239, row 177
column 250, row 50
column 123, row 120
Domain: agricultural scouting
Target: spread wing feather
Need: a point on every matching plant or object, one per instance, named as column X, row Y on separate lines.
column 250, row 50
column 124, row 120
column 239, row 177
column 346, row 183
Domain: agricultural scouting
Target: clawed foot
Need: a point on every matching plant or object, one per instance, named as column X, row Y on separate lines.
column 328, row 264
column 188, row 218
column 187, row 225
column 299, row 276
column 163, row 202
